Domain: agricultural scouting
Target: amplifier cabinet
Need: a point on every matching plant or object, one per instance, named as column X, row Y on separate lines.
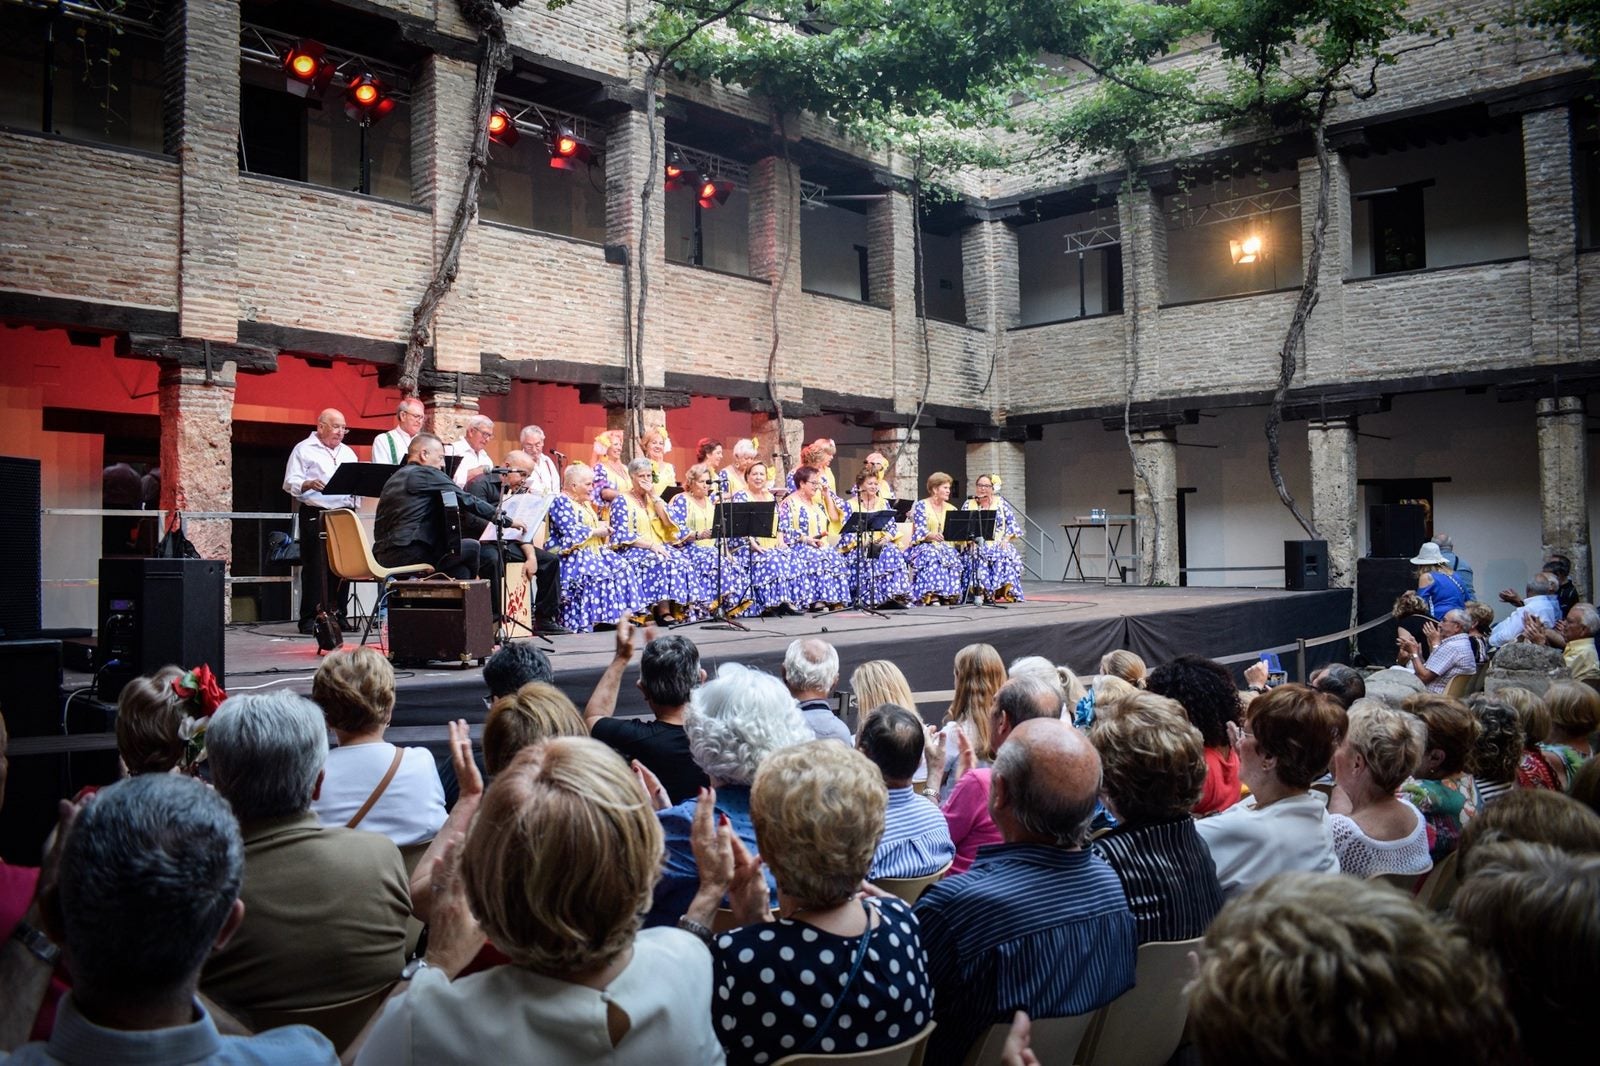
column 451, row 621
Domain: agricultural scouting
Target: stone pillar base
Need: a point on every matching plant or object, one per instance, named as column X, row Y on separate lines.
column 1155, row 503
column 1563, row 485
column 781, row 451
column 900, row 447
column 1333, row 494
column 197, row 454
column 448, row 414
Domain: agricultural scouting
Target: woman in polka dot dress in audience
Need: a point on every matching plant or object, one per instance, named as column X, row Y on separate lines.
column 834, row 971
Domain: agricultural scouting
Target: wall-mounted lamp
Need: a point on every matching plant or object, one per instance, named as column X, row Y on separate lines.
column 1248, row 250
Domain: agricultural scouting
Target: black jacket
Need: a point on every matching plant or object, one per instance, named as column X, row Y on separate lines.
column 410, row 527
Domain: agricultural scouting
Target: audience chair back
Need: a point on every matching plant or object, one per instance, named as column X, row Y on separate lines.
column 905, row 1053
column 1407, row 883
column 350, row 558
column 1056, row 1041
column 1144, row 1025
column 1459, row 686
column 1439, row 887
column 910, row 888
column 723, row 921
column 339, row 1022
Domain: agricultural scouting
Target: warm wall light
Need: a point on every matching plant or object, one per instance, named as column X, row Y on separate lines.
column 502, row 127
column 1248, row 250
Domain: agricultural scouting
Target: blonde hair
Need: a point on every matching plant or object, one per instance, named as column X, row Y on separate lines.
column 979, row 674
column 1389, row 740
column 1532, row 714
column 1152, row 759
column 149, row 717
column 536, row 711
column 1111, row 689
column 812, row 454
column 562, row 858
column 1124, row 664
column 355, row 690
column 1319, row 970
column 938, row 478
column 818, row 811
column 877, row 682
column 651, row 435
column 1574, row 709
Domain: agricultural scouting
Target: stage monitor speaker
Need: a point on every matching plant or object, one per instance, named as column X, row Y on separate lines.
column 440, row 620
column 1395, row 530
column 21, row 579
column 1305, row 565
column 1379, row 582
column 31, row 704
column 159, row 611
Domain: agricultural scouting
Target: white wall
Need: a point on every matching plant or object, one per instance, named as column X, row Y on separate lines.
column 828, row 259
column 1047, row 274
column 1475, row 211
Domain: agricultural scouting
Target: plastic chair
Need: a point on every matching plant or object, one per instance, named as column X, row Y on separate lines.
column 905, row 1053
column 339, row 1022
column 1458, row 687
column 350, row 558
column 1144, row 1025
column 910, row 888
column 1439, row 887
column 1055, row 1041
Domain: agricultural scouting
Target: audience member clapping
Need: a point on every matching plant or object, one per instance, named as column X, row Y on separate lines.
column 1441, row 788
column 325, row 909
column 1153, row 769
column 1310, row 970
column 915, row 841
column 669, row 670
column 555, row 871
column 1496, row 753
column 1374, row 831
column 1207, row 694
column 734, row 722
column 1574, row 719
column 835, row 972
column 369, row 783
column 1536, row 910
column 1286, row 744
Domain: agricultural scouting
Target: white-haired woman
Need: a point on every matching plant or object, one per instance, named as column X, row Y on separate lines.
column 1375, row 831
column 597, row 587
column 733, row 723
column 745, row 453
column 641, row 529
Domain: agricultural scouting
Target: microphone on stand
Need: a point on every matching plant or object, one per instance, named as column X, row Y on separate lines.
column 560, row 457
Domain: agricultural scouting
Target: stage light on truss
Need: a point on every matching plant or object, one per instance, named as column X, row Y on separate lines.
column 367, row 99
column 679, row 173
column 306, row 68
column 502, row 127
column 713, row 193
column 567, row 149
column 1249, row 249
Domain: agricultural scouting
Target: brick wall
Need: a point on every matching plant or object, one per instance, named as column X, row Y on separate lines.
column 1465, row 318
column 1054, row 366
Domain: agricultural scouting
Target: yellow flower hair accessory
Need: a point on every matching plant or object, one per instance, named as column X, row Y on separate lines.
column 994, row 479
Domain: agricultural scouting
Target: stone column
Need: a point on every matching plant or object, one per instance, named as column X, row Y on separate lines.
column 1563, row 484
column 989, row 281
column 900, row 446
column 1332, row 443
column 1324, row 348
column 1155, row 503
column 770, row 449
column 197, row 451
column 448, row 414
column 1005, row 459
column 441, row 140
column 1552, row 247
column 202, row 130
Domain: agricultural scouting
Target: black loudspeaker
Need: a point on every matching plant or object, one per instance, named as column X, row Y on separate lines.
column 1305, row 565
column 21, row 578
column 158, row 611
column 1395, row 530
column 1379, row 582
column 31, row 704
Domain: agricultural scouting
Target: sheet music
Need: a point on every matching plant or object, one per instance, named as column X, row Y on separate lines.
column 529, row 508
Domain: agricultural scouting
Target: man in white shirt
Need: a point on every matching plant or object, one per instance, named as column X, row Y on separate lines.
column 390, row 448
column 545, row 478
column 1540, row 601
column 311, row 466
column 475, row 462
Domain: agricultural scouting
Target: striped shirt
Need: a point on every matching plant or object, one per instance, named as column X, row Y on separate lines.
column 1167, row 873
column 916, row 838
column 1030, row 927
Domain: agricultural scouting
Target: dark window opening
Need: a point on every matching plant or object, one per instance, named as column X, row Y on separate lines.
column 1399, row 240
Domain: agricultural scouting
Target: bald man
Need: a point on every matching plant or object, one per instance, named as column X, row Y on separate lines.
column 311, row 465
column 475, row 461
column 1038, row 921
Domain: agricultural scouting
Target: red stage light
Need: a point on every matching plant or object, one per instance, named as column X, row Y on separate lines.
column 306, row 70
column 502, row 127
column 365, row 94
column 567, row 149
column 679, row 173
column 712, row 193
column 367, row 99
column 303, row 65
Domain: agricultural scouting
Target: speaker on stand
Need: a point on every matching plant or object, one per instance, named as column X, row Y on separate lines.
column 158, row 611
column 1305, row 565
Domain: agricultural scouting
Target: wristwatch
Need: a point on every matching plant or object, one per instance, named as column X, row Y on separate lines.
column 39, row 946
column 689, row 925
column 414, row 967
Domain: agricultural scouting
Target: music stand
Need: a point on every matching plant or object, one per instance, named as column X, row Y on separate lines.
column 731, row 521
column 529, row 508
column 858, row 524
column 972, row 527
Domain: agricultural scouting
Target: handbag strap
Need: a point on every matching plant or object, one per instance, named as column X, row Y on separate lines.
column 844, row 993
column 394, row 767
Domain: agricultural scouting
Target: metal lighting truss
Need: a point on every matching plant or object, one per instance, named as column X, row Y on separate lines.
column 714, row 167
column 541, row 120
column 1189, row 215
column 263, row 47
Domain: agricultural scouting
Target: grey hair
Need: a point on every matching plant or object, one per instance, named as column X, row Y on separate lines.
column 1588, row 616
column 1039, row 803
column 266, row 750
column 1444, row 542
column 1459, row 616
column 149, row 873
column 744, row 449
column 640, row 465
column 735, row 721
column 1029, row 695
column 530, row 431
column 514, row 665
column 1040, row 667
column 1543, row 583
column 810, row 665
column 409, row 401
column 574, row 473
column 480, row 422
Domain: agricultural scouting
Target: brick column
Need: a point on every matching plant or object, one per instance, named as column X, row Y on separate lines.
column 900, row 446
column 441, row 140
column 1155, row 503
column 448, row 414
column 202, row 129
column 770, row 449
column 1333, row 493
column 1552, row 247
column 993, row 296
column 1324, row 350
column 892, row 283
column 1004, row 458
column 197, row 451
column 1144, row 281
column 1563, row 484
column 627, row 159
